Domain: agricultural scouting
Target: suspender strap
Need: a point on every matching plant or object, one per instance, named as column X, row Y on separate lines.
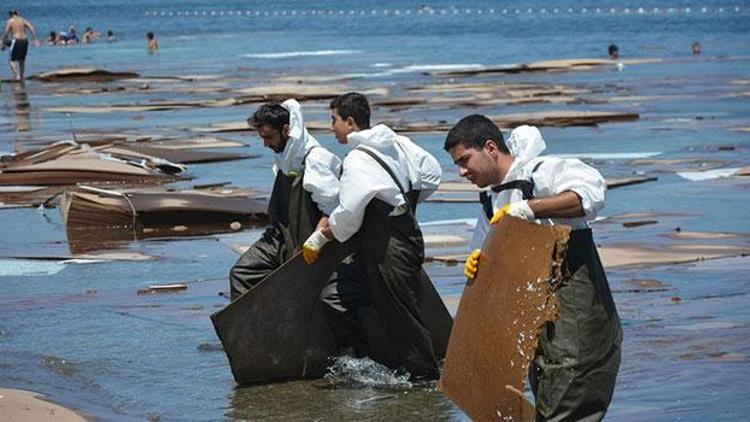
column 304, row 159
column 525, row 186
column 486, row 202
column 385, row 166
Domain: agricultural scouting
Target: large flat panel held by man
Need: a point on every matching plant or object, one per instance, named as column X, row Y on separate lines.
column 277, row 330
column 499, row 319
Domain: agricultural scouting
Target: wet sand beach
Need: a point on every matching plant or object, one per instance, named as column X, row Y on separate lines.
column 106, row 302
column 19, row 405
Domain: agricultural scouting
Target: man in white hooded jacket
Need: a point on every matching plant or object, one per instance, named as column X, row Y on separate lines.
column 575, row 366
column 305, row 192
column 402, row 318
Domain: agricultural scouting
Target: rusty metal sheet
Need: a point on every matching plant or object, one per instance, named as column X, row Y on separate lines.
column 499, row 319
column 277, row 330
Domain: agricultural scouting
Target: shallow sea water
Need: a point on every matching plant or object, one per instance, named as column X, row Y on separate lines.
column 79, row 333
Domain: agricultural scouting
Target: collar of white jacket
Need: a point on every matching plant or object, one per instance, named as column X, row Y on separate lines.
column 524, row 143
column 378, row 137
column 300, row 141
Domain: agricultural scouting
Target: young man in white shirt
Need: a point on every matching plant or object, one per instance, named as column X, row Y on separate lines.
column 403, row 321
column 575, row 366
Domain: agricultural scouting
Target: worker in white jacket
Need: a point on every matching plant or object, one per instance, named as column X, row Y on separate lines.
column 402, row 320
column 575, row 366
column 305, row 192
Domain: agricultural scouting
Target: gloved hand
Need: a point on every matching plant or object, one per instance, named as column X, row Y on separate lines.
column 312, row 246
column 519, row 209
column 472, row 264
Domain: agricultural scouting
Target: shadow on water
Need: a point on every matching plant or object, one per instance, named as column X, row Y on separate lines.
column 353, row 389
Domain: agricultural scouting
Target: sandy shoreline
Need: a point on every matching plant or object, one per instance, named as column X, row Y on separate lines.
column 22, row 405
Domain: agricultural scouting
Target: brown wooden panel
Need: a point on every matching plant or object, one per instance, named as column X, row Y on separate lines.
column 499, row 318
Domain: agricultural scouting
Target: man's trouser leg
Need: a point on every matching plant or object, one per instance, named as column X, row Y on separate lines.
column 574, row 371
column 267, row 254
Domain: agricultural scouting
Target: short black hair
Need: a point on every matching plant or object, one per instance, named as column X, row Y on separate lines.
column 150, row 35
column 473, row 131
column 613, row 48
column 353, row 105
column 13, row 12
column 272, row 114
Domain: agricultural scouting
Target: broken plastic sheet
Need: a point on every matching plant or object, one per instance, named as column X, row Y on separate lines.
column 499, row 319
column 29, row 267
column 700, row 176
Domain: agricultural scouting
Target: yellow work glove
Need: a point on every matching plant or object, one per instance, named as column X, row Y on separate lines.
column 312, row 246
column 519, row 209
column 472, row 264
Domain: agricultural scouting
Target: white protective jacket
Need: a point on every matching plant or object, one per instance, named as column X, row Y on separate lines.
column 363, row 179
column 321, row 166
column 552, row 177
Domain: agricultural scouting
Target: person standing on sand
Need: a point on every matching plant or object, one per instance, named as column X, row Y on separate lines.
column 16, row 27
column 153, row 45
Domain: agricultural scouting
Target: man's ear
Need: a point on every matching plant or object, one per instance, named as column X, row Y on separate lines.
column 352, row 124
column 285, row 130
column 491, row 148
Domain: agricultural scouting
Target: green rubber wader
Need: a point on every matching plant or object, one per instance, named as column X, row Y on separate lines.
column 575, row 367
column 294, row 216
column 391, row 251
column 405, row 324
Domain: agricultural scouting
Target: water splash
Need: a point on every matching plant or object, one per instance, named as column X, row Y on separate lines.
column 367, row 372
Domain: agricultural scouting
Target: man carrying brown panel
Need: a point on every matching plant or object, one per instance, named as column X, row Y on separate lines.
column 574, row 369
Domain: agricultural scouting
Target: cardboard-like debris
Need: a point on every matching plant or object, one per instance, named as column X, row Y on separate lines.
column 636, row 255
column 464, row 192
column 618, row 183
column 499, row 319
column 189, row 156
column 95, row 218
column 152, row 106
column 82, row 74
column 69, row 163
column 563, row 118
column 283, row 92
column 163, row 288
column 564, row 65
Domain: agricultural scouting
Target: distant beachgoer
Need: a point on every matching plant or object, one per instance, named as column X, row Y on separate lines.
column 89, row 35
column 52, row 39
column 696, row 48
column 614, row 52
column 111, row 36
column 72, row 36
column 153, row 45
column 16, row 27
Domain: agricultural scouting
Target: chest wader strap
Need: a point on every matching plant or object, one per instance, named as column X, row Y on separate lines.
column 525, row 186
column 388, row 169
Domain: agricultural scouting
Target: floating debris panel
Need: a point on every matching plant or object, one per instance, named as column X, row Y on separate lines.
column 96, row 217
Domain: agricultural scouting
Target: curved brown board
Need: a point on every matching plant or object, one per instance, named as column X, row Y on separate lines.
column 499, row 318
